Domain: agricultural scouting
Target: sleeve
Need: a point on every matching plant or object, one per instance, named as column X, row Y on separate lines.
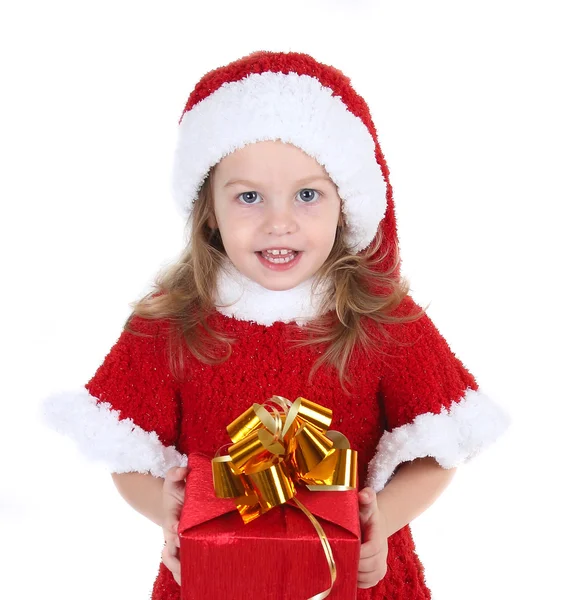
column 128, row 415
column 432, row 404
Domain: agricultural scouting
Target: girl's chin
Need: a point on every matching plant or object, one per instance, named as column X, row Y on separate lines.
column 278, row 288
column 277, row 281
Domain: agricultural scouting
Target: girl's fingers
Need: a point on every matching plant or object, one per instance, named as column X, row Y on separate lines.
column 367, row 505
column 368, row 565
column 174, row 488
column 173, row 497
column 373, row 551
column 175, row 479
column 172, row 563
column 370, row 532
column 172, row 541
column 176, row 473
column 366, row 495
column 369, row 549
column 171, row 522
column 369, row 577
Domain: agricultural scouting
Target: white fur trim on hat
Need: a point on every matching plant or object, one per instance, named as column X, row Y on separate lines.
column 451, row 437
column 121, row 444
column 298, row 110
column 242, row 298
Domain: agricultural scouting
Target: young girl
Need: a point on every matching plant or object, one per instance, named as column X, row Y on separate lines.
column 290, row 285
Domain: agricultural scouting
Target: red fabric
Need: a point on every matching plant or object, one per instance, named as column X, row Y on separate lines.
column 422, row 376
column 135, row 380
column 277, row 556
column 390, row 390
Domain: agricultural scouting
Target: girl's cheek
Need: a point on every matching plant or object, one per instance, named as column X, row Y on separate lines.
column 320, row 220
column 244, row 212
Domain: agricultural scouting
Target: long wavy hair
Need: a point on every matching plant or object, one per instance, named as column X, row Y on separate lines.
column 183, row 293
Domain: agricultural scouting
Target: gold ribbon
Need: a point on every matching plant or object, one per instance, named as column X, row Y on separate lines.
column 277, row 446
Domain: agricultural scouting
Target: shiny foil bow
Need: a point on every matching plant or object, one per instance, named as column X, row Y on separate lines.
column 277, row 446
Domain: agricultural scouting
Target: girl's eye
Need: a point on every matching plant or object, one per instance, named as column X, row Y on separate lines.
column 307, row 195
column 248, row 197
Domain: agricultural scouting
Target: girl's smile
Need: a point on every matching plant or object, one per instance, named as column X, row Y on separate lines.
column 279, row 259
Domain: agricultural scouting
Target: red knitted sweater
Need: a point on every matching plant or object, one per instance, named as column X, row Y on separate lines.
column 415, row 400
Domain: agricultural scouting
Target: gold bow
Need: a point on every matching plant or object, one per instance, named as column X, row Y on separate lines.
column 276, row 446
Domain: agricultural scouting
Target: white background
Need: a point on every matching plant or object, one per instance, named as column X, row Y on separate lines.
column 469, row 104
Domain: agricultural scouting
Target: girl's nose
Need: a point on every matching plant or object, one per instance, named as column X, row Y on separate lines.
column 280, row 220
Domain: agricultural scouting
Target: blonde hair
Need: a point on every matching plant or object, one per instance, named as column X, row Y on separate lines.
column 184, row 295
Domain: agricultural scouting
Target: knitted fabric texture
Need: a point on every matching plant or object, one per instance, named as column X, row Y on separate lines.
column 391, row 390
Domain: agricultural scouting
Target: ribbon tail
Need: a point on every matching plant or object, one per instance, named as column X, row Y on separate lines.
column 326, row 547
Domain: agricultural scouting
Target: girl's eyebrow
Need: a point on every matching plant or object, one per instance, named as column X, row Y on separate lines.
column 299, row 182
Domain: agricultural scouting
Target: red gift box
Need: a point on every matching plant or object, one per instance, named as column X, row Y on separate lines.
column 277, row 556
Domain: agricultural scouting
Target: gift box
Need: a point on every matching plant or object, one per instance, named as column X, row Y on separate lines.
column 277, row 556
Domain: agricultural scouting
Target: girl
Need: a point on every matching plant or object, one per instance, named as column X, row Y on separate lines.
column 290, row 285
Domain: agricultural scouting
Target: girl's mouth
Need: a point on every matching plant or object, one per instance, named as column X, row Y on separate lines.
column 279, row 260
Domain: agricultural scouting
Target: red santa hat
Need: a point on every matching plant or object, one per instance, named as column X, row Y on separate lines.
column 293, row 98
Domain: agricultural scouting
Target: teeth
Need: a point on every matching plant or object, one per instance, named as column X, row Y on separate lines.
column 276, row 252
column 270, row 255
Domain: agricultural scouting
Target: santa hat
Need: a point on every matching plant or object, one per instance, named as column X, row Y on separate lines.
column 291, row 97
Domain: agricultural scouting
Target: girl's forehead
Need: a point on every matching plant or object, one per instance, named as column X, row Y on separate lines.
column 269, row 157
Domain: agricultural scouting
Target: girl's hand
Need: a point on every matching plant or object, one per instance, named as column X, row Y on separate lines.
column 172, row 497
column 374, row 549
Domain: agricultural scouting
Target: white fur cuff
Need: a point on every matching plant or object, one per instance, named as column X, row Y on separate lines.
column 121, row 444
column 452, row 437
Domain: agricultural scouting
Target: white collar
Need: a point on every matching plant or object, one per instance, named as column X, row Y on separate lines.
column 246, row 300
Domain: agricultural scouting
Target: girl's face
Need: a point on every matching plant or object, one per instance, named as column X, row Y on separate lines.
column 277, row 211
